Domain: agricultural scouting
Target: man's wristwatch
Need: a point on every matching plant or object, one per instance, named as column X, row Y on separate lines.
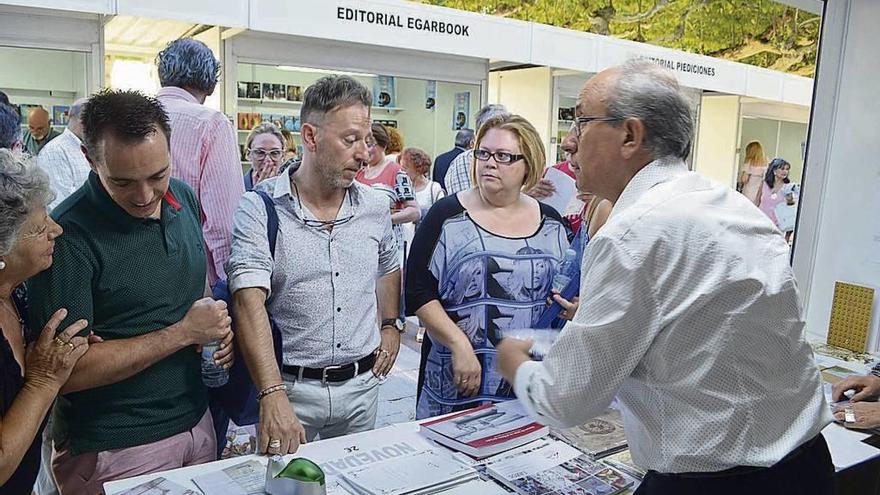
column 397, row 323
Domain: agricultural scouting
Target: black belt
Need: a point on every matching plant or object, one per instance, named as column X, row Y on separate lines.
column 334, row 374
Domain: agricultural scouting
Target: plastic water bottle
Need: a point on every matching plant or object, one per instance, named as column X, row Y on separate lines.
column 213, row 375
column 566, row 268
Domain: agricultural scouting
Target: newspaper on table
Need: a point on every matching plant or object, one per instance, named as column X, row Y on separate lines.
column 598, row 437
column 158, row 486
column 624, row 462
column 552, row 467
column 247, row 478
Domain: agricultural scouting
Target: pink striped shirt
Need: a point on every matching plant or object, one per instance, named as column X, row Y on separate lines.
column 204, row 154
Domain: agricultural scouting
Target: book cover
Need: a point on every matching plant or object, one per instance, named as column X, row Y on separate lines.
column 25, row 110
column 158, row 486
column 256, row 119
column 598, row 437
column 268, row 92
column 242, row 89
column 253, row 90
column 551, row 467
column 247, row 478
column 383, row 92
column 290, row 123
column 294, row 93
column 60, row 114
column 244, row 121
column 461, row 110
column 279, row 91
column 485, row 430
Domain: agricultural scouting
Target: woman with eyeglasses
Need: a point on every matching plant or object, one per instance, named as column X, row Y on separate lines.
column 34, row 363
column 509, row 242
column 265, row 149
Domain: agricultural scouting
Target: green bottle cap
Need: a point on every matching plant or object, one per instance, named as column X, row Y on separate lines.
column 302, row 469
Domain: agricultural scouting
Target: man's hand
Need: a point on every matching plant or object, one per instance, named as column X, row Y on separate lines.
column 386, row 354
column 511, row 354
column 225, row 356
column 206, row 321
column 543, row 189
column 279, row 426
column 867, row 415
column 569, row 308
column 863, row 386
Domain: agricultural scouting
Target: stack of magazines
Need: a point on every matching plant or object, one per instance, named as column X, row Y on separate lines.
column 486, row 430
column 551, row 467
column 598, row 437
column 426, row 472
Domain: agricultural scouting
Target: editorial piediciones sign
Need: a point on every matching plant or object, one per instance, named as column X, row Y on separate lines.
column 402, row 22
column 682, row 66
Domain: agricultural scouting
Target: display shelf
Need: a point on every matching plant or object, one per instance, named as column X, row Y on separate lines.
column 286, row 103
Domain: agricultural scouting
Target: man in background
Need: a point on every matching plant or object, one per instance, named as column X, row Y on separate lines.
column 39, row 131
column 204, row 146
column 63, row 159
column 464, row 140
column 458, row 177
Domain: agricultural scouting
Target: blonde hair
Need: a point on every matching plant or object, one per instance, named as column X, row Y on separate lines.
column 265, row 128
column 530, row 145
column 755, row 154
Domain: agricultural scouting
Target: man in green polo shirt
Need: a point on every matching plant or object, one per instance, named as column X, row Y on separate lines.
column 132, row 263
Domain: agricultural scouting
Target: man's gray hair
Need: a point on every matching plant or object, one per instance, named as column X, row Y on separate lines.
column 23, row 187
column 188, row 63
column 332, row 92
column 76, row 108
column 464, row 138
column 650, row 93
column 487, row 112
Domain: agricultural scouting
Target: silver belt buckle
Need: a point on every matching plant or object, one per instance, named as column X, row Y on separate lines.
column 324, row 372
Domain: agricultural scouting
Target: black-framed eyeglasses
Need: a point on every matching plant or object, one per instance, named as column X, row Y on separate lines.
column 499, row 156
column 274, row 154
column 323, row 224
column 580, row 121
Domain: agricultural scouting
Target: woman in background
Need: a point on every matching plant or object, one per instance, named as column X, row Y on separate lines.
column 265, row 150
column 771, row 193
column 753, row 172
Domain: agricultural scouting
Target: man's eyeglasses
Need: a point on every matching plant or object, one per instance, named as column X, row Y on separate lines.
column 500, row 156
column 323, row 224
column 260, row 154
column 580, row 121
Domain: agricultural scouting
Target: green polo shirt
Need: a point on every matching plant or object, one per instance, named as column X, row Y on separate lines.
column 127, row 277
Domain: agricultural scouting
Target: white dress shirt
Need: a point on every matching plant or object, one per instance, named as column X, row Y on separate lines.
column 63, row 160
column 689, row 313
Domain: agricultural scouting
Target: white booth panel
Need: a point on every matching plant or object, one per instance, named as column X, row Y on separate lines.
column 326, row 54
column 228, row 13
column 557, row 47
column 762, row 83
column 31, row 28
column 90, row 6
column 797, row 90
column 397, row 24
column 838, row 237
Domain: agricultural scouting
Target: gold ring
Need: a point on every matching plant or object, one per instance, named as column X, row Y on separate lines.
column 59, row 342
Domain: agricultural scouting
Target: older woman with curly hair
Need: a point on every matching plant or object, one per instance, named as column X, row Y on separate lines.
column 34, row 363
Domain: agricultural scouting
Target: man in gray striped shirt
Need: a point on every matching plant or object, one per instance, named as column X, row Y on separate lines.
column 335, row 267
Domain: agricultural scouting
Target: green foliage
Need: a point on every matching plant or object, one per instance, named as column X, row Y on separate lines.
column 757, row 32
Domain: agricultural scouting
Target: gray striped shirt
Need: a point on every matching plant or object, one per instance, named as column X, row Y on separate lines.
column 322, row 284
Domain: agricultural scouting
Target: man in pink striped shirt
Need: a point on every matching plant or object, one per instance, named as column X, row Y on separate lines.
column 204, row 147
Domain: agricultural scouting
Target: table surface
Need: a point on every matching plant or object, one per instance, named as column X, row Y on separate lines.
column 846, row 446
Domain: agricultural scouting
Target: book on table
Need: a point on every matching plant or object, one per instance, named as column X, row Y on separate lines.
column 425, row 472
column 552, row 467
column 158, row 485
column 485, row 430
column 598, row 437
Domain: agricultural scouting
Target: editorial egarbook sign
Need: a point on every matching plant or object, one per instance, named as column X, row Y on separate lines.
column 485, row 430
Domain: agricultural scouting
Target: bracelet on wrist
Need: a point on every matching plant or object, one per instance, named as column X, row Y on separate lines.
column 271, row 390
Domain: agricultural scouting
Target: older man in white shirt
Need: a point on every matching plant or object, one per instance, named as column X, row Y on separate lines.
column 63, row 160
column 689, row 313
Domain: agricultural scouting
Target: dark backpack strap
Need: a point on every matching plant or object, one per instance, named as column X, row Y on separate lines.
column 271, row 222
